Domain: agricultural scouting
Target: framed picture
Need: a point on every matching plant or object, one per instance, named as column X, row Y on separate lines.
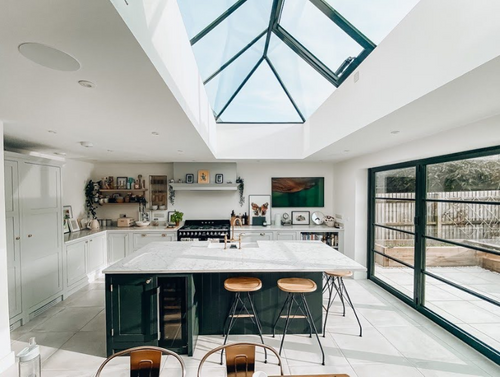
column 189, row 178
column 67, row 212
column 298, row 192
column 203, row 176
column 169, row 216
column 260, row 209
column 219, row 178
column 121, row 182
column 301, row 217
column 73, row 225
column 65, row 226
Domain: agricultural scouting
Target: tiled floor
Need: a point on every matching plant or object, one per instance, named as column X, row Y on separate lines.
column 474, row 315
column 397, row 341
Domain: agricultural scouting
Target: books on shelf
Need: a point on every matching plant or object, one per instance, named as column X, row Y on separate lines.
column 331, row 239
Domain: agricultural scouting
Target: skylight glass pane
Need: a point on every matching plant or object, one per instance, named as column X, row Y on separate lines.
column 262, row 99
column 316, row 32
column 223, row 86
column 306, row 86
column 231, row 36
column 374, row 18
column 198, row 14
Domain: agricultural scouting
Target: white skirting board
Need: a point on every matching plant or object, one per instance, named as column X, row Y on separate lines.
column 6, row 362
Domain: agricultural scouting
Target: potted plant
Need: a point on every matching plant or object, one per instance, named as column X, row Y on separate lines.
column 91, row 193
column 176, row 217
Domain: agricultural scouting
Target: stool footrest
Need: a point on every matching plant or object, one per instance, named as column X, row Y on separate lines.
column 242, row 316
column 293, row 316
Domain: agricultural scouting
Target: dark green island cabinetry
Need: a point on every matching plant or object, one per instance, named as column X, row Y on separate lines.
column 168, row 293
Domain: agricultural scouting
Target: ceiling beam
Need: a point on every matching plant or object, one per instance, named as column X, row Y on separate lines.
column 217, row 21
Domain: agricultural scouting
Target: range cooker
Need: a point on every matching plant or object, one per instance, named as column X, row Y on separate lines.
column 204, row 230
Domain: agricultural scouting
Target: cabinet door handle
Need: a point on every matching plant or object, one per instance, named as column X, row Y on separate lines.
column 91, row 240
column 163, row 235
column 158, row 325
column 148, row 281
column 143, row 235
column 18, row 238
column 262, row 234
column 30, row 235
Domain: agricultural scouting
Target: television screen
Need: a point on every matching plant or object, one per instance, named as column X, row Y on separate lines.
column 298, row 192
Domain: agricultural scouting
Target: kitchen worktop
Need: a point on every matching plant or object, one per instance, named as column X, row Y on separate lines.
column 261, row 256
column 74, row 236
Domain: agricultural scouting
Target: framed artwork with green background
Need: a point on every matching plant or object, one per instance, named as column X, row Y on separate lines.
column 298, row 192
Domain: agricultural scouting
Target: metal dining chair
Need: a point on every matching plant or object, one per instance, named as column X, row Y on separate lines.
column 144, row 361
column 240, row 358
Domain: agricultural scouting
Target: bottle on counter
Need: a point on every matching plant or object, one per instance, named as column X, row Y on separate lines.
column 245, row 216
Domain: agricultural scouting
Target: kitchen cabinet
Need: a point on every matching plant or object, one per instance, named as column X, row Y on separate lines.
column 33, row 199
column 76, row 270
column 96, row 253
column 118, row 246
column 132, row 318
column 285, row 236
column 142, row 239
column 13, row 235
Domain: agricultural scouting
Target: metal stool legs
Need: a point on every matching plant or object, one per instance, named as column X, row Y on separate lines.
column 341, row 291
column 306, row 313
column 232, row 316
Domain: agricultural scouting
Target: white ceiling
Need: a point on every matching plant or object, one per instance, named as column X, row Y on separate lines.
column 129, row 102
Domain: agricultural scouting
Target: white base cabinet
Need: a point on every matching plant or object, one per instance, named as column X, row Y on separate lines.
column 142, row 239
column 76, row 270
column 118, row 246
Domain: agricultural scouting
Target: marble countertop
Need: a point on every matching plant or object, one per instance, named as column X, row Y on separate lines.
column 290, row 228
column 261, row 256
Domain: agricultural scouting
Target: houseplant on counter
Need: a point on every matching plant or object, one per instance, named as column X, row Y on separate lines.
column 176, row 217
column 91, row 193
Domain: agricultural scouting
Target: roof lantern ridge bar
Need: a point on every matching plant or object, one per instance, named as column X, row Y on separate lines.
column 285, row 89
column 217, row 21
column 236, row 56
column 273, row 21
column 239, row 88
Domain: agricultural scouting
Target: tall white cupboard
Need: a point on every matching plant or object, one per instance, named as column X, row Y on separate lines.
column 33, row 198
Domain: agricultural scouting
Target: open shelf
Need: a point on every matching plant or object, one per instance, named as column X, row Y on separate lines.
column 204, row 187
column 123, row 190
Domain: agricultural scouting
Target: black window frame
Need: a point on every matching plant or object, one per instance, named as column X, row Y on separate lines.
column 417, row 302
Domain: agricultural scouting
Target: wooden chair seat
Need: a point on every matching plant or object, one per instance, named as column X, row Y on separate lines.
column 296, row 285
column 242, row 284
column 341, row 274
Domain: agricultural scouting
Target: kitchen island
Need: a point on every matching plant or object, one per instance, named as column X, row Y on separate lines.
column 169, row 292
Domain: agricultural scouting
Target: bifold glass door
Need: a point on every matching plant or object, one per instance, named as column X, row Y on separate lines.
column 434, row 238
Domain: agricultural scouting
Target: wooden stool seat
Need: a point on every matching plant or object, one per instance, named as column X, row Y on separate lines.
column 342, row 274
column 296, row 285
column 242, row 284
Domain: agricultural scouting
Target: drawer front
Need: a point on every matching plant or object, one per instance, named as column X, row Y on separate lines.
column 142, row 239
column 286, row 236
column 256, row 236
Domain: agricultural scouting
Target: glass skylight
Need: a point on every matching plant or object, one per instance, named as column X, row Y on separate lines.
column 277, row 61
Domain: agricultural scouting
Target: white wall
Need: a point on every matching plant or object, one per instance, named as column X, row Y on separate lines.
column 351, row 176
column 75, row 175
column 213, row 204
column 6, row 355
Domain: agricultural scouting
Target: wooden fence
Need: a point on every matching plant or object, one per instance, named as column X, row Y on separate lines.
column 453, row 221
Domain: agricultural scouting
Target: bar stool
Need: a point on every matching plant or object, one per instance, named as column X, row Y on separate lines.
column 241, row 285
column 335, row 281
column 297, row 287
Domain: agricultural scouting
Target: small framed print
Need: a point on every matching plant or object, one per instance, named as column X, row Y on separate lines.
column 189, row 178
column 73, row 225
column 203, row 176
column 67, row 212
column 121, row 182
column 301, row 217
column 219, row 178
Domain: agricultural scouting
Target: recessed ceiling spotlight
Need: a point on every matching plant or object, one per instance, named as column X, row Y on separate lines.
column 394, row 132
column 109, row 150
column 51, row 132
column 155, row 133
column 180, row 151
column 48, row 57
column 60, row 153
column 86, row 144
column 86, row 84
column 346, row 150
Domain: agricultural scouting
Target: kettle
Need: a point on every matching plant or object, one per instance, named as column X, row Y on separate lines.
column 93, row 224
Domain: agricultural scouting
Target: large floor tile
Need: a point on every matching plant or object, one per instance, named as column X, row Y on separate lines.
column 383, row 370
column 49, row 342
column 92, row 298
column 98, row 323
column 446, row 369
column 69, row 319
column 88, row 343
column 50, row 313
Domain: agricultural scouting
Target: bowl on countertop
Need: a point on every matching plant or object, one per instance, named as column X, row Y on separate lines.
column 142, row 223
